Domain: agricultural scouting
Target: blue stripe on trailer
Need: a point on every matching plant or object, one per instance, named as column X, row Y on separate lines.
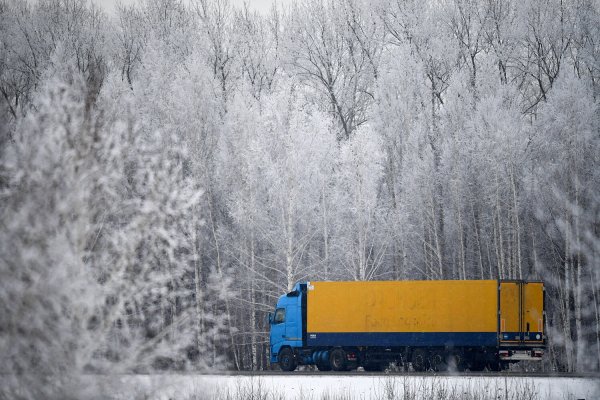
column 402, row 339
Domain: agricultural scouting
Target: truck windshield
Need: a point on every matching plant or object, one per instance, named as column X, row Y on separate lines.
column 279, row 316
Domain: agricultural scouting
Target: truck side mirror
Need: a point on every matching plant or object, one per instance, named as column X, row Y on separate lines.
column 270, row 319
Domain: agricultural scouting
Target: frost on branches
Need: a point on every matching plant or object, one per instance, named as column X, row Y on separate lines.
column 169, row 170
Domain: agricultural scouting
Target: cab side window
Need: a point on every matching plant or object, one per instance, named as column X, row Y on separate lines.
column 279, row 316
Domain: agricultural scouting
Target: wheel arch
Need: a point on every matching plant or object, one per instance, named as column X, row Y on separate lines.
column 285, row 346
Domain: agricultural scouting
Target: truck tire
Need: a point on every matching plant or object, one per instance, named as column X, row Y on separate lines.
column 457, row 361
column 286, row 360
column 438, row 361
column 337, row 360
column 419, row 360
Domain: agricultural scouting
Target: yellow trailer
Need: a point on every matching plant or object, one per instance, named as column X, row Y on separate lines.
column 405, row 313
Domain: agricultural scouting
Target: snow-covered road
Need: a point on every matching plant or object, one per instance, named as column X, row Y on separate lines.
column 343, row 387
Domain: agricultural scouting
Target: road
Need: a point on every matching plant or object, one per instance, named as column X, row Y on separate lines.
column 513, row 374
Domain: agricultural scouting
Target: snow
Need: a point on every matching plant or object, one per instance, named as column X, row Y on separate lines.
column 351, row 386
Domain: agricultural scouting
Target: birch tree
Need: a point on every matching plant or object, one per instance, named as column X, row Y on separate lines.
column 569, row 161
column 362, row 250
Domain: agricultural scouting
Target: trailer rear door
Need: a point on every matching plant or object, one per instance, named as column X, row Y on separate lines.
column 533, row 312
column 521, row 318
column 510, row 312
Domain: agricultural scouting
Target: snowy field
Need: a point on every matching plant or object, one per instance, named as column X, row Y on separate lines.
column 336, row 387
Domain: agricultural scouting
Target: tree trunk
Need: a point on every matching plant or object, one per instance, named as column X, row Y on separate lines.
column 325, row 238
column 220, row 274
column 581, row 345
column 516, row 216
column 437, row 195
column 567, row 299
column 500, row 234
column 426, row 252
column 497, row 247
column 253, row 302
column 197, row 282
column 477, row 239
column 289, row 253
column 595, row 296
column 460, row 236
column 437, row 231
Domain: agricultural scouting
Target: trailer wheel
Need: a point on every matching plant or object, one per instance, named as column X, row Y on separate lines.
column 438, row 361
column 286, row 360
column 456, row 360
column 419, row 360
column 337, row 360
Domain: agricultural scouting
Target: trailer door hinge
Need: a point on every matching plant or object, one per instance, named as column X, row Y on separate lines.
column 500, row 312
column 543, row 312
column 499, row 287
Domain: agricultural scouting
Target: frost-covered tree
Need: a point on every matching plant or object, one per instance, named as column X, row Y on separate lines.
column 129, row 39
column 335, row 48
column 216, row 20
column 34, row 33
column 360, row 239
column 283, row 155
column 258, row 40
column 60, row 191
column 178, row 162
column 96, row 259
column 293, row 156
column 566, row 181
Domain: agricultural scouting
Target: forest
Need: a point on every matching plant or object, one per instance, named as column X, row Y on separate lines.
column 169, row 170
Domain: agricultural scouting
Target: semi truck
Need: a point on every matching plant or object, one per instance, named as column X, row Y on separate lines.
column 437, row 325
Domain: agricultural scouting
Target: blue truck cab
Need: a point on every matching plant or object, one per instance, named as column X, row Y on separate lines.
column 287, row 322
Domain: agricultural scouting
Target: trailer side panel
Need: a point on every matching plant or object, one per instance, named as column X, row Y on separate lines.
column 405, row 313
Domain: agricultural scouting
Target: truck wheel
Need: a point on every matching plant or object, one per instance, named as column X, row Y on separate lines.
column 286, row 360
column 337, row 360
column 419, row 360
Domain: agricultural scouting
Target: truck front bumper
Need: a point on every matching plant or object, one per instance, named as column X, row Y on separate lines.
column 273, row 353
